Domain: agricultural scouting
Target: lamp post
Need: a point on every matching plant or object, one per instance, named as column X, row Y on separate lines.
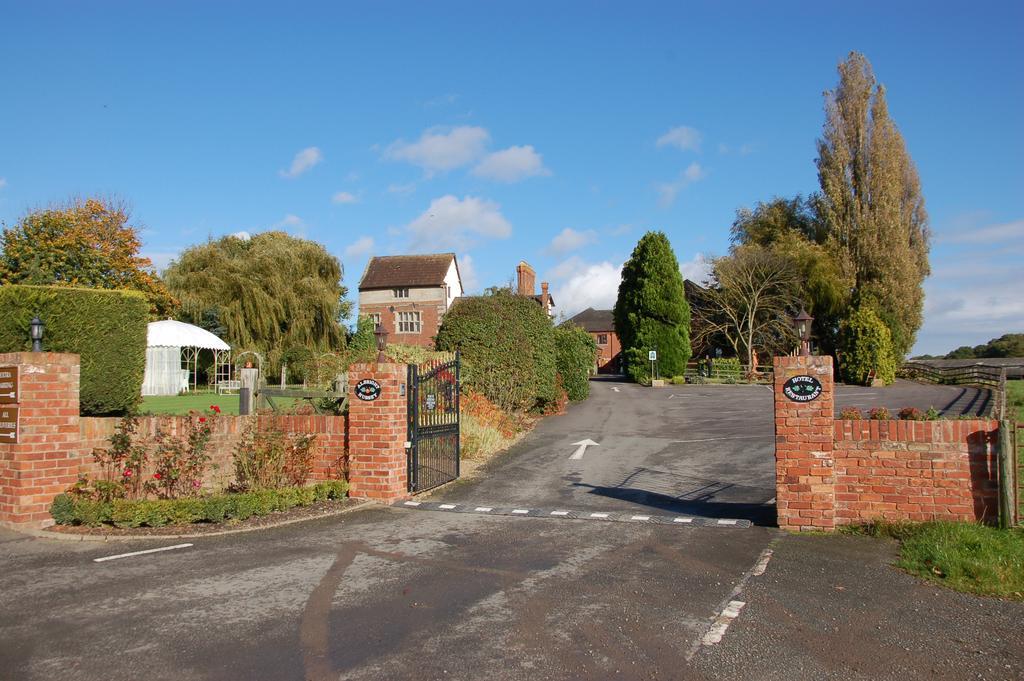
column 802, row 326
column 35, row 330
column 382, row 342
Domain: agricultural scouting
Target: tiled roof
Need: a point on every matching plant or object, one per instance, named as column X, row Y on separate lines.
column 595, row 320
column 395, row 271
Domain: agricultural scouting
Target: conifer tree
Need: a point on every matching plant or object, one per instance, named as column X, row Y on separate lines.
column 651, row 312
column 871, row 206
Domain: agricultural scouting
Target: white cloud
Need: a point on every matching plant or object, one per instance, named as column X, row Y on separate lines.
column 160, row 259
column 512, row 165
column 402, row 189
column 243, row 235
column 697, row 269
column 441, row 149
column 303, row 161
column 683, row 137
column 668, row 191
column 570, row 239
column 291, row 222
column 453, row 224
column 345, row 197
column 585, row 285
column 1009, row 231
column 467, row 271
column 360, row 246
column 3, row 182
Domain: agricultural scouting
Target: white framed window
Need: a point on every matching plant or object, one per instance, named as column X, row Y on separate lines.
column 602, row 339
column 400, row 292
column 375, row 318
column 408, row 322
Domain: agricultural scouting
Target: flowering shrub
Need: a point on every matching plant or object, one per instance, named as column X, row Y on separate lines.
column 911, row 414
column 271, row 459
column 851, row 414
column 879, row 414
column 181, row 462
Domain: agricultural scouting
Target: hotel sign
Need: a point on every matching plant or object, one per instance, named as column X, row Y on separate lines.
column 8, row 425
column 8, row 385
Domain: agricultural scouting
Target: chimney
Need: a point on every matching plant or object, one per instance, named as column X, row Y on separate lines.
column 545, row 298
column 526, row 279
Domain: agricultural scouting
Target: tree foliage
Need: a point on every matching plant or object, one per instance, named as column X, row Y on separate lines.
column 1007, row 345
column 86, row 244
column 749, row 300
column 576, row 351
column 866, row 346
column 651, row 312
column 271, row 293
column 871, row 208
column 507, row 344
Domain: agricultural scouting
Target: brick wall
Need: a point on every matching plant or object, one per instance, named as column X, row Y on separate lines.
column 831, row 472
column 378, row 460
column 916, row 470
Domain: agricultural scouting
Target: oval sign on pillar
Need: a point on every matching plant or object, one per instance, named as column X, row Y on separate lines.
column 368, row 390
column 802, row 388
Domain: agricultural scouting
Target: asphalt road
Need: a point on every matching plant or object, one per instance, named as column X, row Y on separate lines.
column 397, row 593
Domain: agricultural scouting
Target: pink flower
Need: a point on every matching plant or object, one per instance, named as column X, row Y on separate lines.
column 127, row 472
column 215, row 408
column 195, row 483
column 202, row 419
column 157, row 476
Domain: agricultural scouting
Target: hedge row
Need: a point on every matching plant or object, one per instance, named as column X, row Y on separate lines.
column 107, row 328
column 508, row 349
column 69, row 510
column 576, row 352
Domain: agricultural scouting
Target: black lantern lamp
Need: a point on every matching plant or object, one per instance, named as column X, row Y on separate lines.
column 802, row 326
column 382, row 342
column 36, row 333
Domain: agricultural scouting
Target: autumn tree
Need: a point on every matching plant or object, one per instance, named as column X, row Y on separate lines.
column 871, row 208
column 271, row 293
column 651, row 312
column 87, row 244
column 749, row 299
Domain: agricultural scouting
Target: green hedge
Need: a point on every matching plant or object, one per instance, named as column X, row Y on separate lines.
column 68, row 510
column 865, row 345
column 575, row 359
column 107, row 328
column 726, row 367
column 508, row 349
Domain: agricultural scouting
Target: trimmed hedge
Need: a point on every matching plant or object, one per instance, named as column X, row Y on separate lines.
column 107, row 328
column 576, row 352
column 507, row 343
column 68, row 510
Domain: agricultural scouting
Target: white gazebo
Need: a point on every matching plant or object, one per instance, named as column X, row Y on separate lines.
column 172, row 356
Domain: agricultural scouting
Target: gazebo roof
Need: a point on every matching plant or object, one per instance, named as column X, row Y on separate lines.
column 175, row 334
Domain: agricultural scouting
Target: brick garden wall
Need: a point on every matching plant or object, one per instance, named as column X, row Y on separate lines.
column 832, row 472
column 916, row 470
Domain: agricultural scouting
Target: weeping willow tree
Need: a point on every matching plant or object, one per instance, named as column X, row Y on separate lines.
column 272, row 292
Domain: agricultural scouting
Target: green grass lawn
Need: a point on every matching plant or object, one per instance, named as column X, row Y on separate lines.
column 183, row 404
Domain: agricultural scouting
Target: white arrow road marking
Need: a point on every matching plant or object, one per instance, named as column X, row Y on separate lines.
column 581, row 447
column 615, row 389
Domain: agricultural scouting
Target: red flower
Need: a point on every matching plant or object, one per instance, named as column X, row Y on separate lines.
column 127, row 472
column 157, row 476
column 195, row 483
column 202, row 419
column 215, row 408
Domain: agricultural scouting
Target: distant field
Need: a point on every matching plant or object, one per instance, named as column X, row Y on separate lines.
column 183, row 404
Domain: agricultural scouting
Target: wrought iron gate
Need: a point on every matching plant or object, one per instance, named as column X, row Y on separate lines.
column 433, row 424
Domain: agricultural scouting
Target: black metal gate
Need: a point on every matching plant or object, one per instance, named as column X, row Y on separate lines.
column 433, row 424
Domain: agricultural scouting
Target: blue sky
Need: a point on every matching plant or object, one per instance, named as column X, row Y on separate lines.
column 551, row 132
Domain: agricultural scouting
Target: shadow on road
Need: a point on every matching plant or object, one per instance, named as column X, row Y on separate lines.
column 760, row 514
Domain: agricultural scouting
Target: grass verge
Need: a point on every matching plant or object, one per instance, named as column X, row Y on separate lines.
column 1015, row 412
column 967, row 557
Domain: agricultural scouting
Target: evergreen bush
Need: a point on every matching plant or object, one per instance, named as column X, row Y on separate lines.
column 106, row 328
column 576, row 351
column 865, row 346
column 507, row 343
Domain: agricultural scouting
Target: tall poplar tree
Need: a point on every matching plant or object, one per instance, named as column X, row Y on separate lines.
column 651, row 312
column 871, row 206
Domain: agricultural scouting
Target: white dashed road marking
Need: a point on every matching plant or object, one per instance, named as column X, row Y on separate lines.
column 140, row 553
column 483, row 509
column 412, row 503
column 641, row 517
column 598, row 515
column 567, row 514
column 559, row 513
column 682, row 520
column 447, row 506
column 722, row 622
column 520, row 511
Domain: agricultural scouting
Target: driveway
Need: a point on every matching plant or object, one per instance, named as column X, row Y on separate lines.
column 403, row 593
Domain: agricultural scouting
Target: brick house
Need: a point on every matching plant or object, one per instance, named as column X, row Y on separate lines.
column 526, row 285
column 600, row 325
column 409, row 294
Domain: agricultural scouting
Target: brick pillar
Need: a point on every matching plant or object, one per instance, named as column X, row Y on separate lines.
column 378, row 466
column 804, row 461
column 45, row 460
